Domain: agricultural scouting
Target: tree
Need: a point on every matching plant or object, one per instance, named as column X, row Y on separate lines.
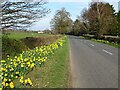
column 61, row 23
column 118, row 24
column 114, row 26
column 100, row 18
column 22, row 14
column 76, row 27
column 79, row 28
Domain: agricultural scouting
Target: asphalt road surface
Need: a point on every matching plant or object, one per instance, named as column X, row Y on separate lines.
column 93, row 65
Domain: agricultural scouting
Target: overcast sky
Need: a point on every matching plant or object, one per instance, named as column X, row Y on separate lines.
column 75, row 7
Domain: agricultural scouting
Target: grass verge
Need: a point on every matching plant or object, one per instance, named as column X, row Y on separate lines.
column 107, row 42
column 55, row 72
column 104, row 42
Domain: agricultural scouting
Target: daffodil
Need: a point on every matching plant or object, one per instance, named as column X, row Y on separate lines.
column 32, row 65
column 5, row 75
column 12, row 75
column 21, row 77
column 21, row 80
column 17, row 72
column 9, row 80
column 6, row 84
column 3, row 61
column 4, row 79
column 22, row 65
column 26, row 81
column 16, row 76
column 3, row 83
column 11, row 85
column 29, row 81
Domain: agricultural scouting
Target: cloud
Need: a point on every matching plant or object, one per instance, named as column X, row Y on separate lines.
column 81, row 0
column 69, row 0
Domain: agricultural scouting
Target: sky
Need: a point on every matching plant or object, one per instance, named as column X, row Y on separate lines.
column 75, row 7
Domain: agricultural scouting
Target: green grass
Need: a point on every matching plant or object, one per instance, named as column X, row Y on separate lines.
column 104, row 42
column 19, row 35
column 107, row 42
column 55, row 72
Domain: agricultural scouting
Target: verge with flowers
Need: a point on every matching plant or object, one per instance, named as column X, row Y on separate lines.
column 19, row 66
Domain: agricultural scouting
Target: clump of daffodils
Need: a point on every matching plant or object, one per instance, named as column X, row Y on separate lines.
column 19, row 66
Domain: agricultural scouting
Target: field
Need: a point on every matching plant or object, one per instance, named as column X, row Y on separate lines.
column 21, row 34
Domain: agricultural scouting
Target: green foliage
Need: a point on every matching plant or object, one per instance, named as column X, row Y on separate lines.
column 78, row 27
column 61, row 23
column 118, row 25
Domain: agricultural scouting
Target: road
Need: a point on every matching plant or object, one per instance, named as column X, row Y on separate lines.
column 93, row 65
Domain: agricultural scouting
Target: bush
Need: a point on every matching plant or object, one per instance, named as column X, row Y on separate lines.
column 33, row 42
column 118, row 40
column 11, row 47
column 112, row 39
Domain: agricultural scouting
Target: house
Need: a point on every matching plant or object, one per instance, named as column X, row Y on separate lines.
column 40, row 32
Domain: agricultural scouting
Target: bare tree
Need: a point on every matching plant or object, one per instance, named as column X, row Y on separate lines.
column 100, row 18
column 18, row 15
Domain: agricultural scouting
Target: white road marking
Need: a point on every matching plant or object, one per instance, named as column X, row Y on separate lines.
column 92, row 45
column 107, row 52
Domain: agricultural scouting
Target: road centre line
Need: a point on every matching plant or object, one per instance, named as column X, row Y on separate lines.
column 92, row 45
column 107, row 52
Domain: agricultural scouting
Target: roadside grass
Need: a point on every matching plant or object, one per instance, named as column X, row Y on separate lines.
column 104, row 42
column 55, row 72
column 20, row 35
column 0, row 43
column 107, row 42
column 0, row 76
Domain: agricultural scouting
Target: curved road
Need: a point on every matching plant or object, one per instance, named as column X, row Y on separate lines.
column 93, row 65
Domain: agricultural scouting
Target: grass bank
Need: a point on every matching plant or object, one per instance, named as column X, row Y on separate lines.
column 55, row 72
column 116, row 45
column 107, row 42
